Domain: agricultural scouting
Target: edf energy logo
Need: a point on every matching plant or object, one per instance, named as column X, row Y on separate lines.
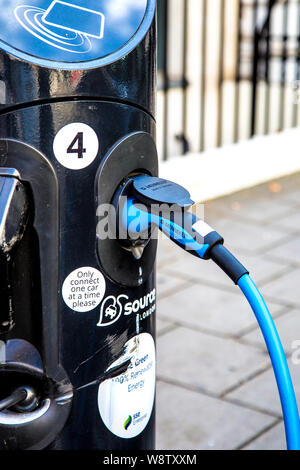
column 113, row 308
column 127, row 422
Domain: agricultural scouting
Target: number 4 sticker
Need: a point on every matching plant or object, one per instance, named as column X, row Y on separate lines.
column 76, row 146
column 79, row 150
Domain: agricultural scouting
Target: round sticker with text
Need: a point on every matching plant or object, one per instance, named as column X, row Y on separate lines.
column 84, row 289
column 126, row 401
column 76, row 146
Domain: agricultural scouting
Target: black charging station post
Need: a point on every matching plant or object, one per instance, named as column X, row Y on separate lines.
column 77, row 105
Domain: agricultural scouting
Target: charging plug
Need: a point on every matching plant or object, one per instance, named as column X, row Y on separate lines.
column 145, row 202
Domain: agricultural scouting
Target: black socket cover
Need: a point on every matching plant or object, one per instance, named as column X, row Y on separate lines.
column 150, row 190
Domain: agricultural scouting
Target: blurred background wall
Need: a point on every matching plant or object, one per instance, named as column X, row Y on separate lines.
column 228, row 71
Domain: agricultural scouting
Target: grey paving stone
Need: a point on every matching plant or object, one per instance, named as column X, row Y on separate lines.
column 191, row 421
column 285, row 189
column 292, row 196
column 209, row 363
column 166, row 284
column 189, row 267
column 261, row 268
column 271, row 440
column 288, row 252
column 273, row 191
column 262, row 393
column 290, row 182
column 211, row 309
column 246, row 237
column 290, row 223
column 285, row 289
column 163, row 326
column 252, row 207
column 288, row 327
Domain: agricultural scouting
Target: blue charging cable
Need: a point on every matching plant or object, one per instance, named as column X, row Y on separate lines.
column 278, row 359
column 195, row 236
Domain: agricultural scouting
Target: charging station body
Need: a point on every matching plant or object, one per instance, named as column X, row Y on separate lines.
column 77, row 107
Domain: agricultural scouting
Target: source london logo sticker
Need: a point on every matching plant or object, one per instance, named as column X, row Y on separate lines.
column 113, row 307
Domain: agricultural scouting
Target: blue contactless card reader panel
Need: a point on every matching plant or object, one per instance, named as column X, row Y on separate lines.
column 73, row 34
column 75, row 18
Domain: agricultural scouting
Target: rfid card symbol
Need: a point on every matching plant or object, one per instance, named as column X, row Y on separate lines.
column 63, row 25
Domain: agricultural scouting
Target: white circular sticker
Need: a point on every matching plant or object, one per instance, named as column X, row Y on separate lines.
column 126, row 402
column 76, row 146
column 84, row 289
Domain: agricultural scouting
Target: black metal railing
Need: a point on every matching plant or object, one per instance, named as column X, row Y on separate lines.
column 245, row 58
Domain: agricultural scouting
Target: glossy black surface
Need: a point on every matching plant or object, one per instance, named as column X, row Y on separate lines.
column 151, row 190
column 75, row 342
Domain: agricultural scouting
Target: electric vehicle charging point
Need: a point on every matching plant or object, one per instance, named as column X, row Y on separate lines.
column 77, row 110
column 77, row 130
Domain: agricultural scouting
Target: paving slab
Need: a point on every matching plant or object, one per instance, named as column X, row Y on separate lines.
column 288, row 327
column 189, row 267
column 261, row 392
column 283, row 190
column 211, row 309
column 288, row 252
column 206, row 362
column 192, row 421
column 163, row 326
column 167, row 284
column 246, row 237
column 274, row 439
column 240, row 236
column 253, row 209
column 285, row 289
column 293, row 195
column 290, row 223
